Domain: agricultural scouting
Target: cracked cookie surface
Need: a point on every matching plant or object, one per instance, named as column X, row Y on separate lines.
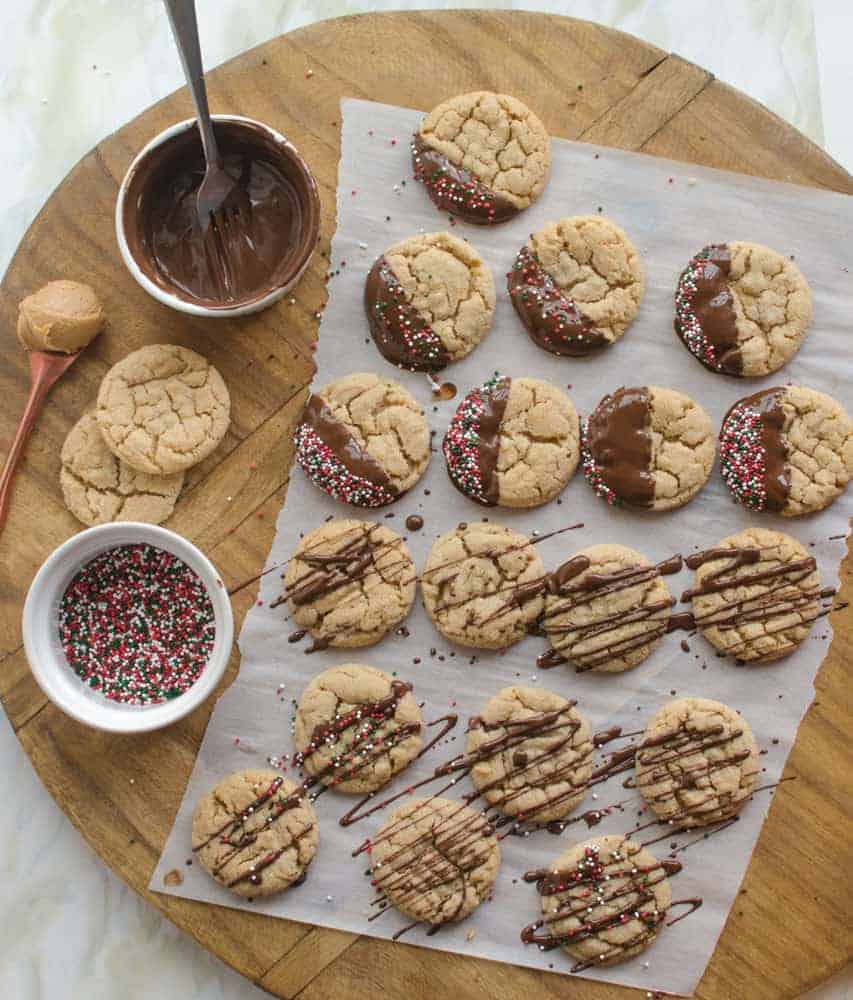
column 350, row 582
column 513, row 442
column 429, row 301
column 603, row 900
column 533, row 754
column 356, row 728
column 742, row 308
column 482, row 156
column 482, row 585
column 756, row 594
column 697, row 762
column 435, row 860
column 577, row 284
column 610, row 614
column 163, row 408
column 787, row 449
column 98, row 487
column 255, row 832
column 648, row 448
column 363, row 439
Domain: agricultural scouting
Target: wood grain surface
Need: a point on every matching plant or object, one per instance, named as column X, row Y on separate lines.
column 790, row 927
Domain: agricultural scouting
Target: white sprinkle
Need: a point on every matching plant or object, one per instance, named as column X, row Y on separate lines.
column 44, row 100
column 691, row 182
column 362, row 246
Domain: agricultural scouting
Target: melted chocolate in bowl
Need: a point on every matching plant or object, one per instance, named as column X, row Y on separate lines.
column 259, row 250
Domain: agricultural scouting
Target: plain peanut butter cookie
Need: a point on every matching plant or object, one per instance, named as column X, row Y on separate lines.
column 647, row 448
column 697, row 762
column 606, row 609
column 356, row 728
column 576, row 285
column 483, row 157
column 742, row 308
column 756, row 594
column 482, row 585
column 531, row 754
column 603, row 901
column 163, row 408
column 350, row 582
column 98, row 487
column 429, row 301
column 513, row 442
column 363, row 440
column 255, row 833
column 787, row 450
column 435, row 859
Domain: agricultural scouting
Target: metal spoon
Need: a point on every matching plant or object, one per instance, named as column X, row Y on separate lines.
column 45, row 369
column 217, row 186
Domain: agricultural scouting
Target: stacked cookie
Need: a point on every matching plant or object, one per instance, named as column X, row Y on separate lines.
column 159, row 411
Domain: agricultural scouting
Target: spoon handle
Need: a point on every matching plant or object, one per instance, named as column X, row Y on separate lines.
column 185, row 29
column 42, row 378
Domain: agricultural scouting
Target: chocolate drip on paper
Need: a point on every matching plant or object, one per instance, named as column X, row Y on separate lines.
column 402, row 335
column 553, row 320
column 346, row 449
column 620, row 444
column 777, row 472
column 713, row 306
column 454, row 189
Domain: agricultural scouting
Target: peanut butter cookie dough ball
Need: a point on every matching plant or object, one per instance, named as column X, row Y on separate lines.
column 787, row 450
column 163, row 409
column 514, row 442
column 742, row 308
column 363, row 440
column 648, row 448
column 482, row 156
column 429, row 301
column 482, row 585
column 255, row 833
column 63, row 316
column 576, row 285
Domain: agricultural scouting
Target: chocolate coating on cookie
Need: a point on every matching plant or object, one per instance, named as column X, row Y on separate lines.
column 402, row 335
column 472, row 442
column 753, row 454
column 704, row 310
column 553, row 320
column 453, row 189
column 617, row 448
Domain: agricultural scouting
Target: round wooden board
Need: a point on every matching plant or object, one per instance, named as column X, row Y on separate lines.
column 789, row 928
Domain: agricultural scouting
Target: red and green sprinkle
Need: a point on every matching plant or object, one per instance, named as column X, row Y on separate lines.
column 686, row 321
column 461, row 445
column 328, row 472
column 592, row 470
column 137, row 625
column 743, row 457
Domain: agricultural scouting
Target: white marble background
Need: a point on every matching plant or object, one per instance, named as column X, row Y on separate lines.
column 71, row 71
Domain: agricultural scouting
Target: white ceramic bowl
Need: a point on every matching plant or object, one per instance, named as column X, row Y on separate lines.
column 41, row 633
column 311, row 221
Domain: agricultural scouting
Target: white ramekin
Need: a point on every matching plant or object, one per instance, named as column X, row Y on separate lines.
column 194, row 308
column 41, row 632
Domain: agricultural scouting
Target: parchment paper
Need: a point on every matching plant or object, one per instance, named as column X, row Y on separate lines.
column 670, row 211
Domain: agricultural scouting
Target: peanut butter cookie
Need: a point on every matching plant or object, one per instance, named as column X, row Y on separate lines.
column 576, row 285
column 98, row 487
column 363, row 440
column 255, row 833
column 787, row 450
column 350, row 582
column 429, row 301
column 603, row 901
column 756, row 594
column 742, row 308
column 356, row 728
column 647, row 448
column 163, row 408
column 435, row 859
column 482, row 156
column 482, row 585
column 513, row 442
column 697, row 762
column 531, row 753
column 606, row 609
